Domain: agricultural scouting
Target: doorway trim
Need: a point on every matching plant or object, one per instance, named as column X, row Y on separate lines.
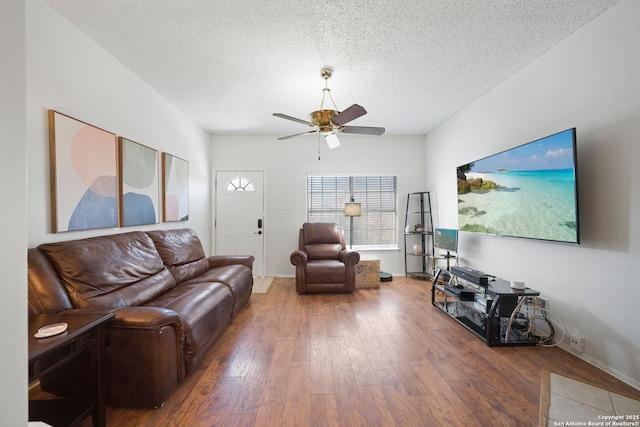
column 214, row 207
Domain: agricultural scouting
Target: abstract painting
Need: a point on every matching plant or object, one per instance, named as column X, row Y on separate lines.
column 84, row 186
column 175, row 188
column 139, row 183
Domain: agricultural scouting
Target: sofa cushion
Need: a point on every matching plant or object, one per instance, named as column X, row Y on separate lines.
column 205, row 312
column 321, row 232
column 46, row 293
column 326, row 271
column 237, row 277
column 322, row 240
column 323, row 251
column 181, row 251
column 110, row 271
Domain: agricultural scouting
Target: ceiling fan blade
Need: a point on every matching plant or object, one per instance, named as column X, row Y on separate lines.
column 349, row 114
column 284, row 116
column 364, row 130
column 298, row 134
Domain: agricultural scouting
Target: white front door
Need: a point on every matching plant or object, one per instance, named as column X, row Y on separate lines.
column 240, row 215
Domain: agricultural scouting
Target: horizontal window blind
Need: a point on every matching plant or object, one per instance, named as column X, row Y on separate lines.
column 377, row 226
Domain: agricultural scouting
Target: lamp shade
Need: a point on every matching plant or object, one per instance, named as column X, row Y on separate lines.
column 332, row 140
column 352, row 209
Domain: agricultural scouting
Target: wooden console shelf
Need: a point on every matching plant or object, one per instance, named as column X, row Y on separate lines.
column 85, row 335
column 484, row 310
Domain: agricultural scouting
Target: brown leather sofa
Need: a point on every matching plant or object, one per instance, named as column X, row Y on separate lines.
column 323, row 263
column 171, row 303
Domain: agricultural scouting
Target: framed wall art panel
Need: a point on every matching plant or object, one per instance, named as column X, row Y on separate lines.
column 175, row 188
column 84, row 186
column 139, row 183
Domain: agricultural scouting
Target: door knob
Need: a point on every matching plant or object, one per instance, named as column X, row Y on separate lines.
column 258, row 232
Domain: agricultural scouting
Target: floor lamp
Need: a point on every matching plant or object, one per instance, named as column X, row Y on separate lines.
column 352, row 209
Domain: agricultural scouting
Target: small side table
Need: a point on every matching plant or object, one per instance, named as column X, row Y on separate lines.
column 368, row 272
column 85, row 332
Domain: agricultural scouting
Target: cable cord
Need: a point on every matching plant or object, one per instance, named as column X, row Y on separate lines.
column 559, row 322
column 513, row 315
column 538, row 314
column 531, row 330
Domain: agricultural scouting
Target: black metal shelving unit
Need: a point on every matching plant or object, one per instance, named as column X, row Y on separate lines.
column 484, row 310
column 418, row 213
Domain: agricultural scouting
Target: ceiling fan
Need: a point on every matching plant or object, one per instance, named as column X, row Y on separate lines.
column 329, row 122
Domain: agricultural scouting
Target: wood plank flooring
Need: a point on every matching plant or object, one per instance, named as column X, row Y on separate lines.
column 376, row 357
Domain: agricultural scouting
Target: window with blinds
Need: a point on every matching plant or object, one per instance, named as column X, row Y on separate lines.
column 377, row 225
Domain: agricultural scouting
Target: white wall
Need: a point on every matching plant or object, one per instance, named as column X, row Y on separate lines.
column 589, row 81
column 13, row 213
column 286, row 165
column 69, row 73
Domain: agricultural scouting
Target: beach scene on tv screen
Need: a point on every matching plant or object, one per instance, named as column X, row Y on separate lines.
column 528, row 191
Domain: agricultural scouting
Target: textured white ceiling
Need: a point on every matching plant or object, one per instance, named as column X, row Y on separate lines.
column 411, row 63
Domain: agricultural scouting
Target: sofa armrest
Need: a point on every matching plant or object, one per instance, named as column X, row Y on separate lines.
column 139, row 317
column 146, row 318
column 222, row 260
column 299, row 258
column 145, row 357
column 349, row 257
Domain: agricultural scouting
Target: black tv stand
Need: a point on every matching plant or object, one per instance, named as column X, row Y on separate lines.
column 484, row 310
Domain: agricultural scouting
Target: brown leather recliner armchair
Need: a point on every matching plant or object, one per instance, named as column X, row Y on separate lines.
column 323, row 263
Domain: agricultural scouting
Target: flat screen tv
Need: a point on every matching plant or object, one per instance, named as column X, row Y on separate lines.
column 529, row 191
column 445, row 239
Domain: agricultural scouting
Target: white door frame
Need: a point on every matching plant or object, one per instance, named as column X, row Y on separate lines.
column 214, row 211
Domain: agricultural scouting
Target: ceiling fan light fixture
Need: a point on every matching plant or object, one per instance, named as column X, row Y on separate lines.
column 332, row 140
column 327, row 121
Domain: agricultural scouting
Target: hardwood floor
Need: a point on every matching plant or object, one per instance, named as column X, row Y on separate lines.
column 377, row 357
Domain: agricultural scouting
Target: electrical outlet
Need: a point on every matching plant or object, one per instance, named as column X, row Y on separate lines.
column 542, row 303
column 577, row 343
column 538, row 302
